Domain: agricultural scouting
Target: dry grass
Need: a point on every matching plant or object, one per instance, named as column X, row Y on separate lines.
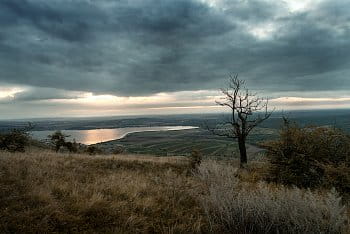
column 45, row 192
column 233, row 206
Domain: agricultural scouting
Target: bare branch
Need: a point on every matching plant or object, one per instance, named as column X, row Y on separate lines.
column 243, row 104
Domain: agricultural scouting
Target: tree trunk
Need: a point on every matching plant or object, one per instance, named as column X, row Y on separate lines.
column 242, row 151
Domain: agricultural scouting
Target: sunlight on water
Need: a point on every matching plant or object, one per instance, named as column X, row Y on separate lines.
column 94, row 136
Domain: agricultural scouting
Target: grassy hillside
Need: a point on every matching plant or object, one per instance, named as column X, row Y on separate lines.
column 43, row 192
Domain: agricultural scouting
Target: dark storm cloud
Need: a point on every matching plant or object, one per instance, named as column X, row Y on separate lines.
column 55, row 19
column 142, row 47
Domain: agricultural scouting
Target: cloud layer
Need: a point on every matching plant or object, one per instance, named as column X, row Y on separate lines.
column 145, row 47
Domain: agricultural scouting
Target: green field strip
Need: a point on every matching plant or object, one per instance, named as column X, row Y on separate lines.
column 176, row 145
column 187, row 148
column 218, row 151
column 210, row 151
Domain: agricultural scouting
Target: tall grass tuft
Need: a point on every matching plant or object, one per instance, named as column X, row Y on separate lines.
column 236, row 207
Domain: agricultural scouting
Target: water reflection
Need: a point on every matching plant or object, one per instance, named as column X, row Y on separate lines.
column 101, row 135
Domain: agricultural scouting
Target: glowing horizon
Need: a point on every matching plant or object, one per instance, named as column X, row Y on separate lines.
column 201, row 101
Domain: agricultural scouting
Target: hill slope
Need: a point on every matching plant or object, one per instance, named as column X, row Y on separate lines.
column 43, row 192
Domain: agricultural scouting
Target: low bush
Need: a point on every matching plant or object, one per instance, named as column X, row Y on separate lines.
column 235, row 207
column 310, row 157
column 14, row 141
column 119, row 149
column 58, row 140
column 73, row 147
column 92, row 150
column 195, row 159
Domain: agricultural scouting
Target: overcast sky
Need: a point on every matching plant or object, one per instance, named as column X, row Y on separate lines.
column 124, row 57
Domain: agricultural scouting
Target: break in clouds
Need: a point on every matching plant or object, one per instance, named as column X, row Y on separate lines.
column 61, row 49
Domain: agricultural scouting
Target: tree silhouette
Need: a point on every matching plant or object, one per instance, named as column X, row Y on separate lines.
column 58, row 139
column 247, row 111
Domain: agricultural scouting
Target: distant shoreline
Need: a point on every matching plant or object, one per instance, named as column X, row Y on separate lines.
column 95, row 136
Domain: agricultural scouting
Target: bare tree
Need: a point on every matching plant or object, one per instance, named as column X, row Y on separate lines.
column 247, row 111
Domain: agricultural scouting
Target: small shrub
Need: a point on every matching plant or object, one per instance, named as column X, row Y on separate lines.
column 119, row 149
column 338, row 176
column 195, row 159
column 92, row 150
column 72, row 146
column 235, row 207
column 14, row 141
column 58, row 139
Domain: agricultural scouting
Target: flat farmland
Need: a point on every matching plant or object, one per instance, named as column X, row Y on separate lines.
column 183, row 142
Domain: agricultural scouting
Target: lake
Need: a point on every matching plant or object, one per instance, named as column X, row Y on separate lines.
column 94, row 136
